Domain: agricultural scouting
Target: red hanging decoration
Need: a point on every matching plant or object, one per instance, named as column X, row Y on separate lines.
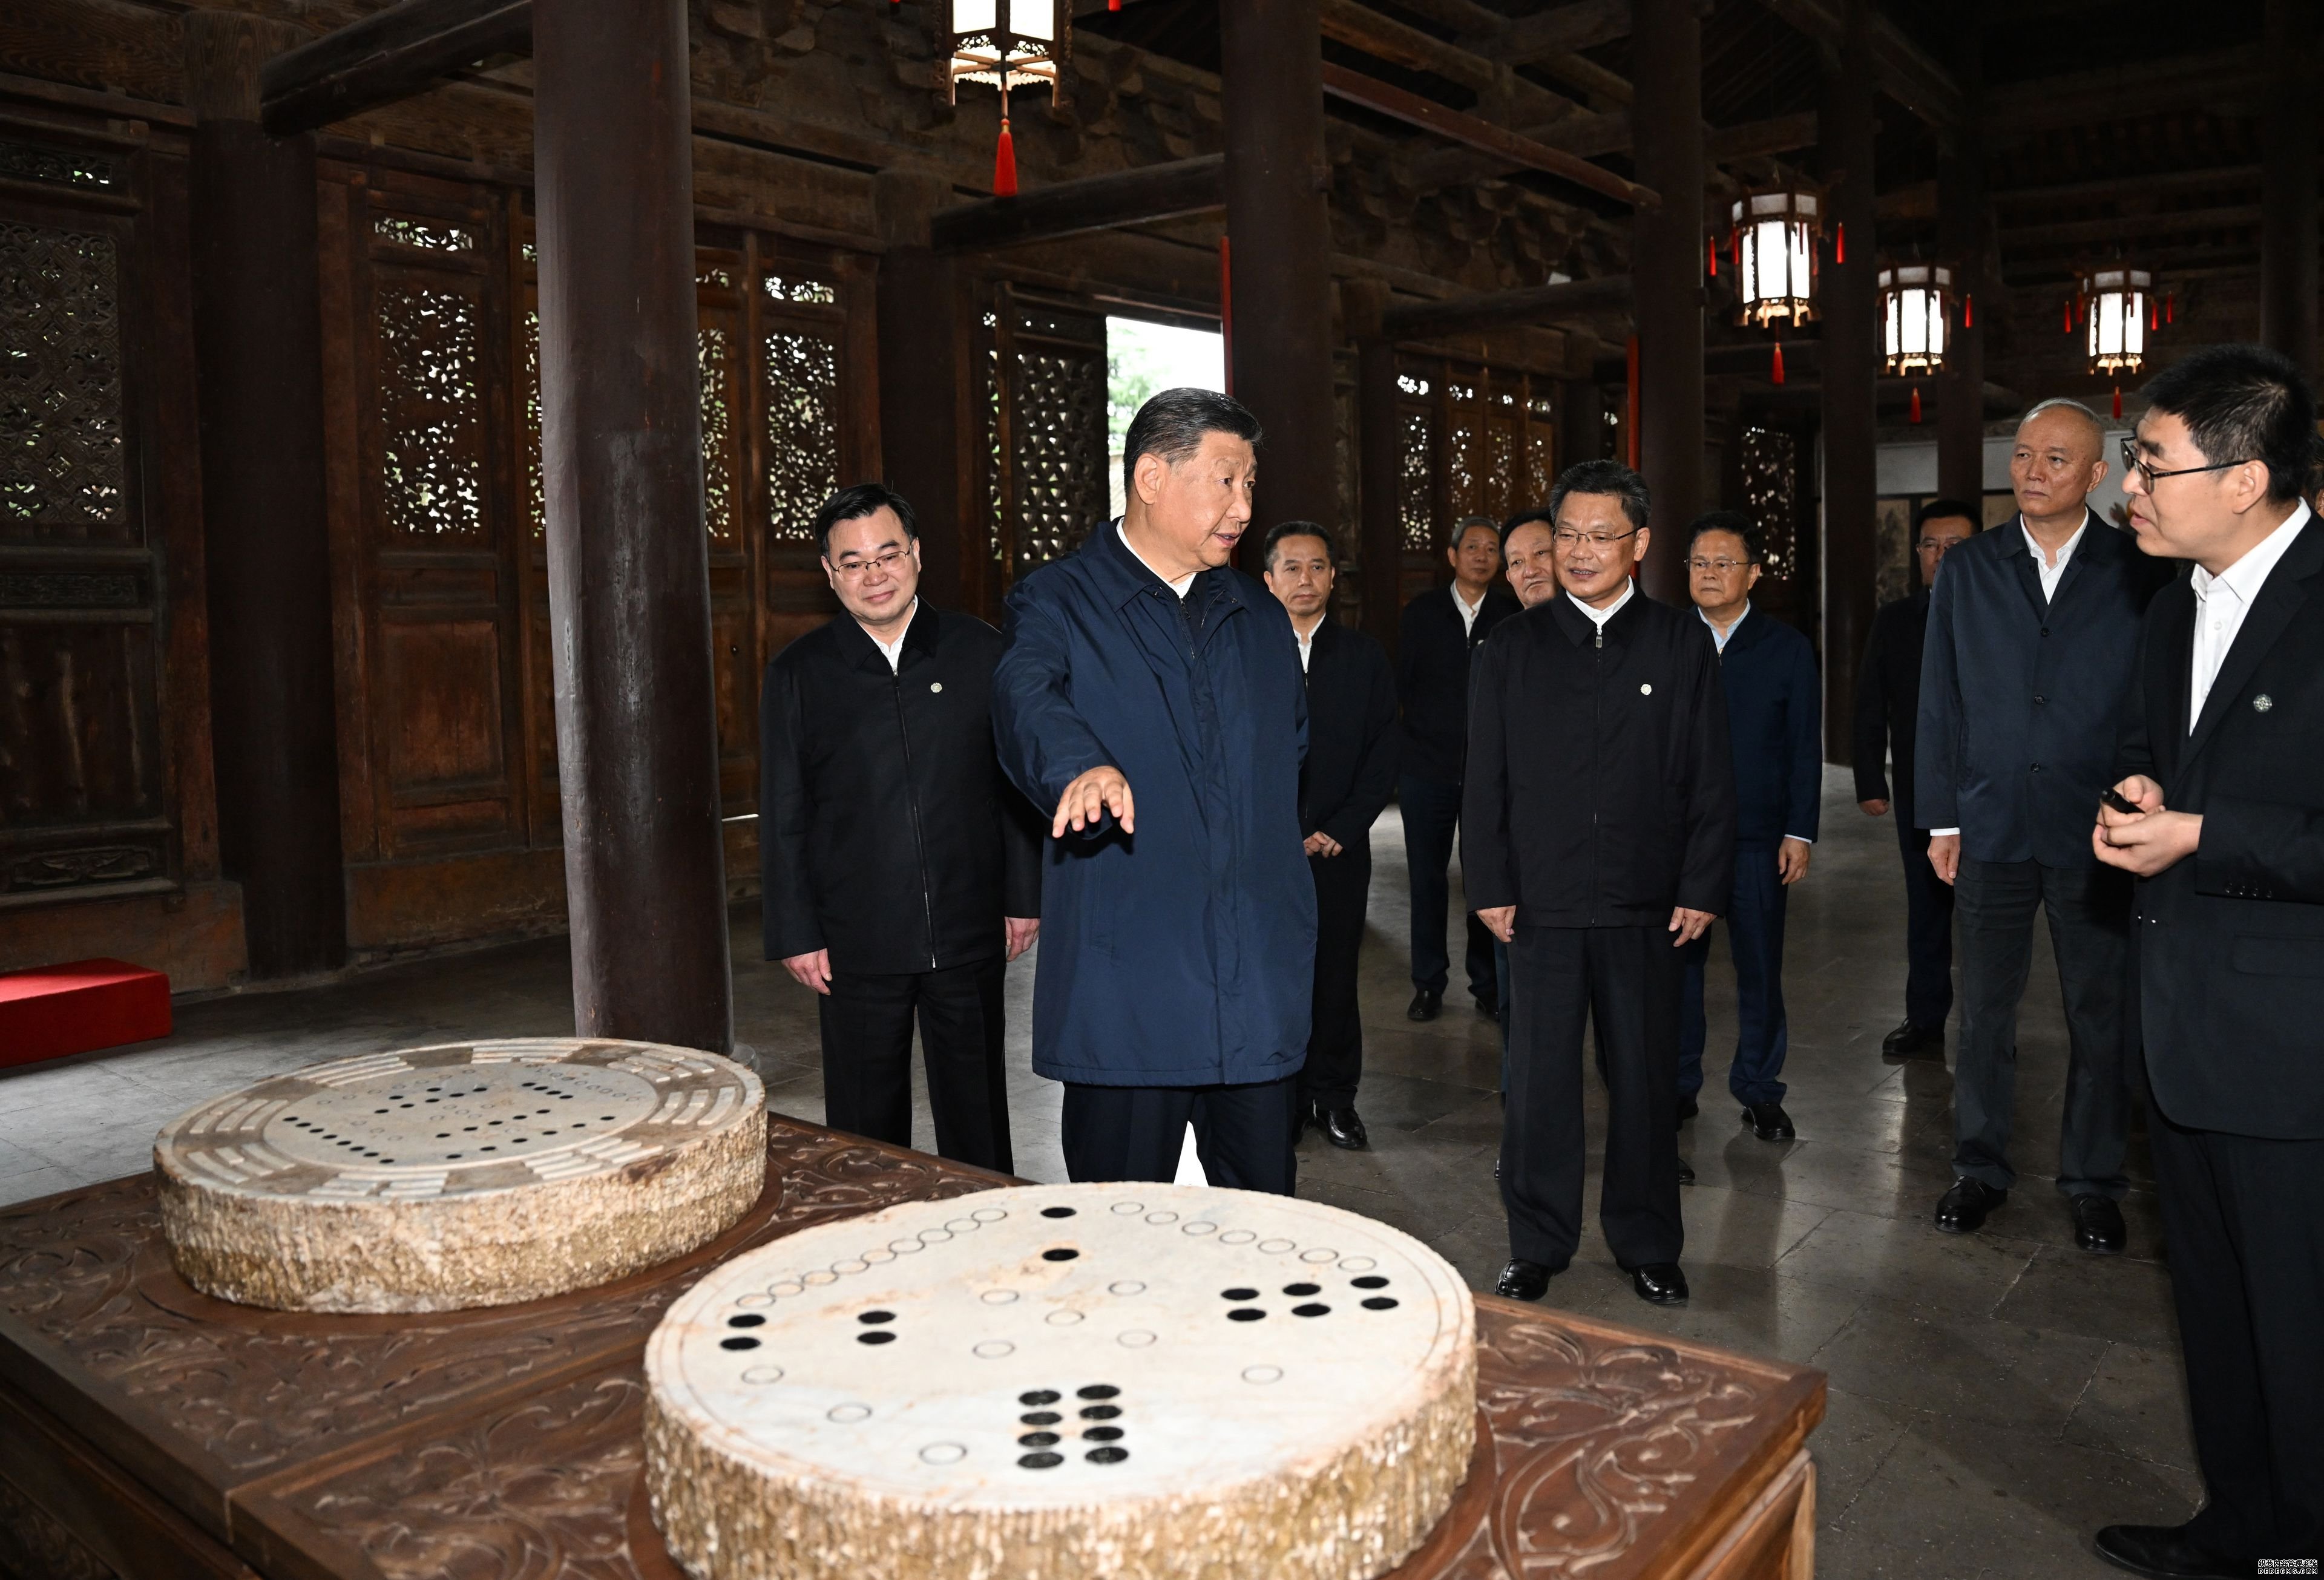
column 2117, row 400
column 1916, row 404
column 1969, row 312
column 1778, row 376
column 1113, row 4
column 2171, row 309
column 2154, row 315
column 1004, row 163
column 1735, row 248
column 1840, row 242
column 1710, row 246
column 2069, row 315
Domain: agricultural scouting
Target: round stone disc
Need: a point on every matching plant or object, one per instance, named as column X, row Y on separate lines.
column 470, row 1175
column 1072, row 1380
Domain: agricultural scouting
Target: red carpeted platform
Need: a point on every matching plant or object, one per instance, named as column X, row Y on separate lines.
column 56, row 1010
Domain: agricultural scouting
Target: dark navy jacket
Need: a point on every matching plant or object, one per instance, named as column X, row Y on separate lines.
column 1775, row 720
column 1182, row 954
column 2022, row 703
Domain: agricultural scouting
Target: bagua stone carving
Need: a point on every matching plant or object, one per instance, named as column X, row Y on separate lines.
column 471, row 1174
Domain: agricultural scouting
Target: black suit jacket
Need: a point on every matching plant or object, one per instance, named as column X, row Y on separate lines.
column 1433, row 661
column 1352, row 743
column 1888, row 701
column 887, row 833
column 2231, row 940
column 1601, row 786
column 2021, row 702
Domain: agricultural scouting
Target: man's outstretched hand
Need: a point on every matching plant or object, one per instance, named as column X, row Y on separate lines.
column 812, row 969
column 1690, row 925
column 1090, row 797
column 1500, row 920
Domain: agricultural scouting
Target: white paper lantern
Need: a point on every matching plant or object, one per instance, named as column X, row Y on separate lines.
column 2115, row 304
column 1915, row 298
column 1776, row 262
column 1008, row 43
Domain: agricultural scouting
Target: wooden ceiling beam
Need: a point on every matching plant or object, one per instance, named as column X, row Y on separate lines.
column 1591, row 136
column 2122, row 93
column 387, row 56
column 1907, row 72
column 1508, row 309
column 1495, row 82
column 1386, row 99
column 2064, row 232
column 1090, row 202
column 2142, row 184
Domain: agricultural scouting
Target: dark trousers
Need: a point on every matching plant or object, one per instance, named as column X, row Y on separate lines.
column 1432, row 818
column 867, row 1057
column 1627, row 980
column 2244, row 1221
column 1755, row 937
column 1242, row 1133
column 1335, row 1042
column 1928, row 930
column 2088, row 909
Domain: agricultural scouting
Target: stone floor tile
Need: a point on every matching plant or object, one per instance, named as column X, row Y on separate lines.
column 2136, row 1406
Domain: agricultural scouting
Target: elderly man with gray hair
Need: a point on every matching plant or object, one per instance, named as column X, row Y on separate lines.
column 2032, row 643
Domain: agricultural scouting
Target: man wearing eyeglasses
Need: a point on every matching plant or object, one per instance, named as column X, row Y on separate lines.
column 1598, row 841
column 2032, row 630
column 900, row 872
column 1887, row 711
column 2222, row 746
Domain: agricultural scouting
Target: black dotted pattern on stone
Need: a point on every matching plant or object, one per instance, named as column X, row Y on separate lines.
column 1109, row 1454
column 876, row 1335
column 1102, row 1434
column 1099, row 1390
column 1381, row 1303
column 1059, row 1254
column 1039, row 1396
column 747, row 1320
column 738, row 1343
column 1040, row 1460
column 1239, row 1294
column 1245, row 1314
column 1101, row 1412
column 1312, row 1308
column 1057, row 1212
column 1371, row 1281
column 876, row 1316
column 1303, row 1288
column 1039, row 1440
column 1040, row 1418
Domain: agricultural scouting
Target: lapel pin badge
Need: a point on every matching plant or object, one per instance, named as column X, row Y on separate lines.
column 935, row 685
column 2262, row 703
column 1646, row 688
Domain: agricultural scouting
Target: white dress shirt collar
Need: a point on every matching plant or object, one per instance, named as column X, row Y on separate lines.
column 1719, row 637
column 1601, row 616
column 1468, row 610
column 2222, row 601
column 1178, row 586
column 2053, row 575
column 894, row 650
column 1307, row 638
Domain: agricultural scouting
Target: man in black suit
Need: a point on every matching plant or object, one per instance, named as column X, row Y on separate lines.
column 1343, row 787
column 1442, row 630
column 1887, row 709
column 900, row 871
column 1598, row 839
column 2223, row 741
column 2032, row 633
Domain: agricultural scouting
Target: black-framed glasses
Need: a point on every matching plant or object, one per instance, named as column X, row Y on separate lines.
column 2148, row 477
column 1567, row 537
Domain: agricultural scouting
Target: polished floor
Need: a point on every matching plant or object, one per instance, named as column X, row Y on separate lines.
column 1994, row 1398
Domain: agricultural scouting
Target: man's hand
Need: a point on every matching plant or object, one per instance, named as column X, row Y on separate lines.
column 1021, row 930
column 2141, row 792
column 1944, row 855
column 1792, row 859
column 1320, row 844
column 811, row 971
column 1690, row 925
column 1090, row 797
column 1500, row 920
column 1874, row 808
column 2149, row 840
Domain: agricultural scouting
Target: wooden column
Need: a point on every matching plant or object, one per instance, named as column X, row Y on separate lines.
column 924, row 364
column 1379, row 457
column 1962, row 229
column 258, row 358
column 1666, row 263
column 629, row 590
column 2287, row 310
column 1272, row 64
column 1851, row 353
column 1581, row 423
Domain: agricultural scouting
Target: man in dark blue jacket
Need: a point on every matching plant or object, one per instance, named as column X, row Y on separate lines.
column 1774, row 723
column 1151, row 695
column 2033, row 639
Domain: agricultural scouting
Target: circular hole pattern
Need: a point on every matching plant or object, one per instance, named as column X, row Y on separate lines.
column 1276, row 1248
column 1059, row 1254
column 1111, row 1453
column 991, row 1214
column 1057, row 1212
column 1102, row 1435
column 1039, row 1396
column 1262, row 1374
column 1040, row 1418
column 1159, row 1219
column 992, row 1349
column 1199, row 1228
column 747, row 1320
column 876, row 1336
column 1312, row 1308
column 1100, row 1413
column 1061, row 1318
column 874, row 1319
column 1237, row 1237
column 1374, row 1281
column 1302, row 1288
column 1319, row 1255
column 1381, row 1303
column 1239, row 1293
column 763, row 1374
column 1126, row 1208
column 998, row 1297
column 1136, row 1338
column 1041, row 1459
column 847, row 1415
column 1039, row 1440
column 1128, row 1286
column 739, row 1342
column 1098, row 1390
column 943, row 1454
column 1245, row 1314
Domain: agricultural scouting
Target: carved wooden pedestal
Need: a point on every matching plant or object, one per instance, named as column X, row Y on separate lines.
column 149, row 1430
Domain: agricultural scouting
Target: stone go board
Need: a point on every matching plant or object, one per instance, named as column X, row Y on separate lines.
column 1120, row 1380
column 469, row 1174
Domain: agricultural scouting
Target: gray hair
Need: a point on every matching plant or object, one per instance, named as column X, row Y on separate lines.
column 1468, row 524
column 1172, row 424
column 2061, row 403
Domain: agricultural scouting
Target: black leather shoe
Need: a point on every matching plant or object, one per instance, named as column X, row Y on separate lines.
column 1685, row 1172
column 1424, row 1004
column 2097, row 1224
column 1913, row 1041
column 2161, row 1552
column 1770, row 1123
column 1341, row 1127
column 1490, row 1010
column 1661, row 1283
column 1687, row 1109
column 1523, row 1281
column 1961, row 1210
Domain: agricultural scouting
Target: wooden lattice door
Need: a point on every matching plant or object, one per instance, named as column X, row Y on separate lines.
column 1046, row 430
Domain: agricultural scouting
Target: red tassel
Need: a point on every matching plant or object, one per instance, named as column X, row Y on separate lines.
column 2070, row 315
column 1711, row 248
column 1004, row 163
column 2117, row 400
column 1917, row 405
column 1840, row 243
column 2171, row 309
column 1778, row 377
column 1113, row 4
column 1735, row 248
column 1969, row 312
column 2154, row 315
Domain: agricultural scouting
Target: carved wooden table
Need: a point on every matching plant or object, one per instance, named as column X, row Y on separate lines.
column 147, row 1430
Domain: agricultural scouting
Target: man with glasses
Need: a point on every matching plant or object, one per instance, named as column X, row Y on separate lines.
column 1887, row 713
column 1598, row 841
column 900, row 872
column 2032, row 632
column 1775, row 724
column 2223, row 741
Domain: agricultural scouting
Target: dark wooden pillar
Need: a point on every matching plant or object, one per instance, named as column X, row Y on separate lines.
column 1581, row 422
column 1851, row 353
column 1379, row 457
column 1667, row 262
column 258, row 358
column 1272, row 63
column 2287, row 311
column 1961, row 233
column 629, row 591
column 923, row 362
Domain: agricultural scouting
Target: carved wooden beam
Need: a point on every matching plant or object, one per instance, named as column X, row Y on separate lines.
column 1506, row 310
column 1589, row 136
column 1339, row 82
column 1091, row 203
column 387, row 56
column 1496, row 82
column 1906, row 72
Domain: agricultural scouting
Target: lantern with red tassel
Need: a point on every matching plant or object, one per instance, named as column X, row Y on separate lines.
column 1009, row 45
column 1912, row 298
column 2117, row 297
column 1775, row 234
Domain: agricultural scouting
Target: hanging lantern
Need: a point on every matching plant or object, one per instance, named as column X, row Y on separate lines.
column 1912, row 298
column 1776, row 234
column 2117, row 317
column 1008, row 44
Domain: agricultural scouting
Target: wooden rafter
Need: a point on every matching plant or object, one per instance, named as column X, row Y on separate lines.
column 387, row 56
column 1339, row 82
column 1906, row 72
column 1093, row 203
column 1506, row 310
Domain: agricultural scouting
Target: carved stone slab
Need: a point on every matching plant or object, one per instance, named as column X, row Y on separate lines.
column 1125, row 1380
column 470, row 1175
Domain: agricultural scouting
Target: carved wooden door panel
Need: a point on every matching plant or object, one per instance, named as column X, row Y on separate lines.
column 1046, row 432
column 721, row 280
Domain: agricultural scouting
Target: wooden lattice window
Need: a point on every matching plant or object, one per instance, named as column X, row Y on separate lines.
column 801, row 388
column 1416, row 493
column 1771, row 483
column 432, row 411
column 1047, row 429
column 721, row 514
column 62, row 464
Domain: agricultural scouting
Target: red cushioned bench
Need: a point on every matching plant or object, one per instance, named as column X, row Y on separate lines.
column 56, row 1010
